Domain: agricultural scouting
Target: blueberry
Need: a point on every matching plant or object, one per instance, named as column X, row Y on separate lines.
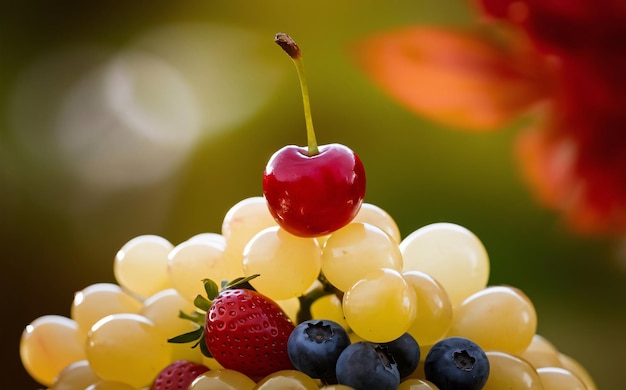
column 457, row 363
column 314, row 347
column 366, row 366
column 406, row 353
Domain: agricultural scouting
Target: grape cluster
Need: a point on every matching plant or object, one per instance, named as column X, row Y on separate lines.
column 363, row 287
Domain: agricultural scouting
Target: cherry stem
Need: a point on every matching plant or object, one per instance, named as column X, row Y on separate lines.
column 291, row 47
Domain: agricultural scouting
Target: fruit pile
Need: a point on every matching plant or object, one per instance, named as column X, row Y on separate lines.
column 305, row 287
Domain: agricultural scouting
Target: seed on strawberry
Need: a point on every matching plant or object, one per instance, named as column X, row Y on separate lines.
column 242, row 329
column 178, row 375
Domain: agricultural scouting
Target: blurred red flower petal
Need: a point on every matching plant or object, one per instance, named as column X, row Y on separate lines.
column 456, row 78
column 591, row 197
column 577, row 162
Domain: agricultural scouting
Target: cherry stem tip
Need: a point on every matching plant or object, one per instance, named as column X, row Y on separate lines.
column 288, row 45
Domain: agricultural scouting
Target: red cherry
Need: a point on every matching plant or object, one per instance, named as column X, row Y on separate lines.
column 314, row 195
column 316, row 190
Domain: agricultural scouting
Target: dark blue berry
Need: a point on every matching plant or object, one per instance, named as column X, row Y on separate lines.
column 366, row 366
column 314, row 347
column 457, row 363
column 406, row 353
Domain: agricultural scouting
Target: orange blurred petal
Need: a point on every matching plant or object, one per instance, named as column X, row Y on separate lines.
column 546, row 166
column 590, row 202
column 451, row 77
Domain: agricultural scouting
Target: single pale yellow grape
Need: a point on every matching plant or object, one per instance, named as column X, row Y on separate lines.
column 557, row 378
column 222, row 379
column 288, row 265
column 209, row 237
column 141, row 265
column 48, row 345
column 577, row 369
column 433, row 316
column 498, row 318
column 541, row 353
column 329, row 307
column 192, row 261
column 510, row 372
column 417, row 384
column 242, row 222
column 245, row 219
column 287, row 380
column 163, row 310
column 376, row 216
column 381, row 306
column 336, row 387
column 291, row 307
column 99, row 300
column 77, row 375
column 355, row 250
column 451, row 254
column 127, row 348
column 110, row 385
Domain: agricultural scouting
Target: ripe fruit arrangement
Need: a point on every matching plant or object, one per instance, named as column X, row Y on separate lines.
column 329, row 300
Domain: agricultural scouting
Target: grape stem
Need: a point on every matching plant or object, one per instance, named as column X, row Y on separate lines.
column 291, row 48
column 304, row 313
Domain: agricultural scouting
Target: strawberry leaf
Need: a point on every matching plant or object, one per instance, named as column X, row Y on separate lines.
column 202, row 303
column 239, row 281
column 187, row 337
column 211, row 288
column 195, row 317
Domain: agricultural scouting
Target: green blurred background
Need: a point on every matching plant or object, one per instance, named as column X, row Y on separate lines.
column 70, row 197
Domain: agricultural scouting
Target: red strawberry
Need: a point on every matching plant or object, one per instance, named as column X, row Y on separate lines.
column 242, row 329
column 248, row 332
column 178, row 375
